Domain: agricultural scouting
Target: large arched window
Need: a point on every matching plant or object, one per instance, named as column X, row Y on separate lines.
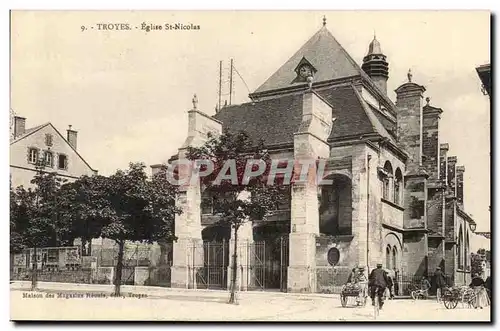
column 459, row 249
column 398, row 184
column 388, row 257
column 387, row 178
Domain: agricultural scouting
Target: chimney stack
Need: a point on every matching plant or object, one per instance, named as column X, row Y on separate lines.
column 19, row 126
column 71, row 137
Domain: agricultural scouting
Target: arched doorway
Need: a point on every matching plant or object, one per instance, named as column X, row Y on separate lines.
column 335, row 206
column 269, row 255
column 213, row 272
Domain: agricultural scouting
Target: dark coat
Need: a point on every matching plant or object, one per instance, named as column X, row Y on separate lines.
column 379, row 277
column 476, row 281
column 440, row 279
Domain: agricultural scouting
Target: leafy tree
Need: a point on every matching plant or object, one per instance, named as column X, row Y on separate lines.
column 126, row 206
column 34, row 217
column 228, row 154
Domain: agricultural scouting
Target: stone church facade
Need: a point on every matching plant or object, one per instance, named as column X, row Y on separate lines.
column 396, row 196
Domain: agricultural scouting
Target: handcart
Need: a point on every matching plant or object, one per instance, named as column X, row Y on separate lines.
column 350, row 295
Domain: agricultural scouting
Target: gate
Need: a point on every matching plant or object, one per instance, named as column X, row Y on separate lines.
column 269, row 264
column 213, row 273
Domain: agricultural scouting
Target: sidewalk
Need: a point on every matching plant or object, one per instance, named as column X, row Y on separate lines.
column 75, row 302
column 153, row 291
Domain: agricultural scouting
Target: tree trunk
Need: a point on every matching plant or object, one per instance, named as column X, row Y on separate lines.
column 119, row 267
column 34, row 271
column 232, row 297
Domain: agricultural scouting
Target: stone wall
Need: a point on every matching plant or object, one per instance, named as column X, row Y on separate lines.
column 415, row 253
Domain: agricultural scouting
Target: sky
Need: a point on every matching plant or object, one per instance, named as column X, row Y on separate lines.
column 127, row 93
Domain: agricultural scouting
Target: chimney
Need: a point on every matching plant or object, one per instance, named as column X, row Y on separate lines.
column 71, row 137
column 19, row 126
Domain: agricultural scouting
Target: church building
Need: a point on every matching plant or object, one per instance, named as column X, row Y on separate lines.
column 396, row 196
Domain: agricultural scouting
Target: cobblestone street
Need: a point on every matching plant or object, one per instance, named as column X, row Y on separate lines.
column 199, row 305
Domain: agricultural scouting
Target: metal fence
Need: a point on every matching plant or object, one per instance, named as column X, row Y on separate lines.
column 261, row 265
column 404, row 284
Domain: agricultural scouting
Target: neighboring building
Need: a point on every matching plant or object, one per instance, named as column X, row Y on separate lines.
column 487, row 235
column 484, row 73
column 396, row 198
column 45, row 142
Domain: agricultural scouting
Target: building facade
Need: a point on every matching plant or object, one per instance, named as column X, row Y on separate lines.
column 45, row 142
column 396, row 196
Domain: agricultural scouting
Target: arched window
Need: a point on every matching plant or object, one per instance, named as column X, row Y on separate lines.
column 398, row 184
column 394, row 257
column 386, row 193
column 388, row 257
column 459, row 249
column 466, row 252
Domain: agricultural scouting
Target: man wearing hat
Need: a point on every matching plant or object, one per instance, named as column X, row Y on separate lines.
column 378, row 280
column 440, row 283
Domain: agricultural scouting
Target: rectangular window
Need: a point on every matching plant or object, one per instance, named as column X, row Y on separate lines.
column 33, row 155
column 49, row 159
column 48, row 139
column 62, row 162
column 207, row 205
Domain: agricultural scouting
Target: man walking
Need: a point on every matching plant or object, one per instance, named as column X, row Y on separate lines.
column 378, row 281
column 440, row 283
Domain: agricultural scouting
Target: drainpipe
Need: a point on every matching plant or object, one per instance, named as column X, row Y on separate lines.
column 368, row 215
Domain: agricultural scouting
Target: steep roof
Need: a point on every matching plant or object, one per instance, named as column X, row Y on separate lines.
column 276, row 120
column 327, row 56
column 29, row 131
column 273, row 120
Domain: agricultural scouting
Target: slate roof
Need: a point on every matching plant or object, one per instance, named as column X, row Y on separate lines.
column 327, row 56
column 276, row 120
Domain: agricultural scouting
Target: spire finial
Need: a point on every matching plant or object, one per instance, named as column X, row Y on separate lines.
column 428, row 100
column 195, row 101
column 374, row 34
column 324, row 20
column 409, row 75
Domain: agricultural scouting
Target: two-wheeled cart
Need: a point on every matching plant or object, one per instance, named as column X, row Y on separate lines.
column 350, row 295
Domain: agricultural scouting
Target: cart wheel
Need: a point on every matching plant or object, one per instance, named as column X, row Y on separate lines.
column 414, row 295
column 450, row 302
column 470, row 298
column 343, row 300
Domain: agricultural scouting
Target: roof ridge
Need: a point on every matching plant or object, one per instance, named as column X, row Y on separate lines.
column 377, row 126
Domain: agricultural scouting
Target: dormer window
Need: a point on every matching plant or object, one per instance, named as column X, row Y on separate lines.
column 304, row 70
